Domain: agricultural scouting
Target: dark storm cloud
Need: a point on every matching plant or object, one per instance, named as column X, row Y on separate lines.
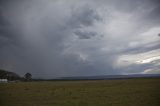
column 84, row 16
column 63, row 38
column 85, row 35
column 3, row 24
column 152, row 8
column 155, row 14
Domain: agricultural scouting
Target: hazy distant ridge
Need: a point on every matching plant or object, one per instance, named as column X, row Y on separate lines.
column 112, row 76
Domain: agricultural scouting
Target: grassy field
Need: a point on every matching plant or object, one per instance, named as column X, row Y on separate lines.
column 127, row 92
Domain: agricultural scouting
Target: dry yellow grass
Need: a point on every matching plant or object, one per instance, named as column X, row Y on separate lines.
column 128, row 92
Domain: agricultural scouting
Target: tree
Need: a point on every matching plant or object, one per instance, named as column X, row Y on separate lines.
column 28, row 76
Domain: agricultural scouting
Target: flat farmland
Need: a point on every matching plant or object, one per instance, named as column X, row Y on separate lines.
column 122, row 92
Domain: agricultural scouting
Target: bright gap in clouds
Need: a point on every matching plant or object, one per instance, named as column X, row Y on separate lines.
column 151, row 58
column 148, row 60
column 140, row 58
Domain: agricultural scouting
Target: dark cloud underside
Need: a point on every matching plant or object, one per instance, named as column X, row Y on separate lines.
column 75, row 38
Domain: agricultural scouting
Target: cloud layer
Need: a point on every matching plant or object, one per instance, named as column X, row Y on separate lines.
column 75, row 38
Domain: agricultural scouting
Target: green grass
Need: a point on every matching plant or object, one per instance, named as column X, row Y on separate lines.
column 128, row 92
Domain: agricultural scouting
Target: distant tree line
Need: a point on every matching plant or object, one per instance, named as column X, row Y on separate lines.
column 11, row 76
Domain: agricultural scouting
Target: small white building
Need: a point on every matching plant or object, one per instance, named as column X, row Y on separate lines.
column 3, row 80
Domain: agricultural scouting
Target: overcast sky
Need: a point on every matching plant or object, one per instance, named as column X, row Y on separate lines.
column 56, row 38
